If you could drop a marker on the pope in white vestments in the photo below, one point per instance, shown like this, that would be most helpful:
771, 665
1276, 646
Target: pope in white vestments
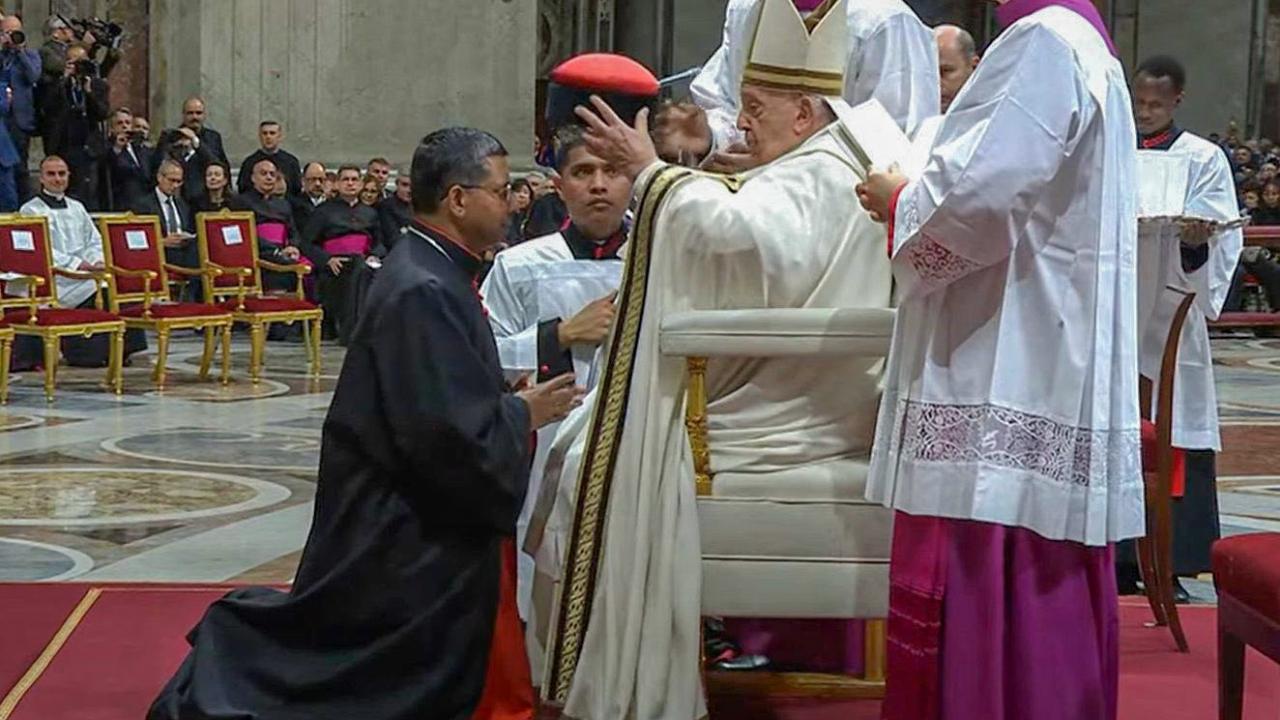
892, 57
623, 535
1205, 181
1008, 437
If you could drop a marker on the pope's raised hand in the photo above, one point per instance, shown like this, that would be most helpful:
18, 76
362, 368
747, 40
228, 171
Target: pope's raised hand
630, 149
876, 192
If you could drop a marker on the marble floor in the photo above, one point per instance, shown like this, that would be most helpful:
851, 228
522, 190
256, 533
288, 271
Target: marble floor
205, 483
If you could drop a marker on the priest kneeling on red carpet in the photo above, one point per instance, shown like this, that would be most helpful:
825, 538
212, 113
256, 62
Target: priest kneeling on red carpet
424, 463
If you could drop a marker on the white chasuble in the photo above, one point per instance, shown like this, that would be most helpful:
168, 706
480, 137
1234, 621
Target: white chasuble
893, 58
1211, 195
530, 284
622, 532
1011, 395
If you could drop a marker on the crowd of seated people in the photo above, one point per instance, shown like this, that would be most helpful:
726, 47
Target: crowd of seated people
1256, 164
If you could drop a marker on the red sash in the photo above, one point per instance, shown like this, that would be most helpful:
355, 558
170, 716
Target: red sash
349, 244
273, 232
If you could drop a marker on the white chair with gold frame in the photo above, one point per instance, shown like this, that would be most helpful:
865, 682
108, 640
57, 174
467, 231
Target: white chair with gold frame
793, 544
139, 291
228, 243
26, 265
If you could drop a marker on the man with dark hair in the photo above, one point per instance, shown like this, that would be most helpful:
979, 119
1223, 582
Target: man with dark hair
424, 459
380, 169
312, 195
193, 117
551, 299
74, 109
128, 163
340, 231
1207, 269
19, 72
270, 135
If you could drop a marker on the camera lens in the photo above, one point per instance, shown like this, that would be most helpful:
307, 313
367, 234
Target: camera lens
17, 37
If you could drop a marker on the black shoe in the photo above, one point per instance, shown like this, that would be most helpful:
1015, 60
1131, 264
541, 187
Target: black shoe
1180, 594
723, 653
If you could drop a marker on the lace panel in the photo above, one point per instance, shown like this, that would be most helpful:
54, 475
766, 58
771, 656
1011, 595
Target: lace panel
1017, 440
935, 263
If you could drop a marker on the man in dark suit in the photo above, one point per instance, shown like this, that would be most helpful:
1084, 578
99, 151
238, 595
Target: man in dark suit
128, 163
182, 145
396, 212
312, 196
193, 116
270, 135
73, 113
177, 224
19, 71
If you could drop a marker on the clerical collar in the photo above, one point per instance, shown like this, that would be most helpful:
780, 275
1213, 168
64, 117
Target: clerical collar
460, 254
1162, 140
53, 201
584, 248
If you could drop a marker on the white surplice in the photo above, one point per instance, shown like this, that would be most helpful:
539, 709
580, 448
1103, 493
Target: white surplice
892, 58
534, 282
1012, 390
793, 236
1210, 194
73, 240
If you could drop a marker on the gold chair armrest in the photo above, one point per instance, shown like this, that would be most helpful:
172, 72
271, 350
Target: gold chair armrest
298, 269
240, 274
100, 278
147, 276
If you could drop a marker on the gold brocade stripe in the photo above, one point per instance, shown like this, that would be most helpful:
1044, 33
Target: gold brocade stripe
603, 437
10, 702
803, 73
802, 82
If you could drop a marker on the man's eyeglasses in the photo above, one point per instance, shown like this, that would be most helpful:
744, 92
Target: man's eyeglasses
502, 193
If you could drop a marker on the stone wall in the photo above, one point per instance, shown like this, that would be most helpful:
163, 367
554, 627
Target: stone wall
349, 79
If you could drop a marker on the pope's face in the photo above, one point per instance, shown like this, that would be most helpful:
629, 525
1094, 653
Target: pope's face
770, 120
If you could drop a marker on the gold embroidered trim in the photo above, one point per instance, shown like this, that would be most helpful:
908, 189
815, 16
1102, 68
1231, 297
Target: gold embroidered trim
28, 680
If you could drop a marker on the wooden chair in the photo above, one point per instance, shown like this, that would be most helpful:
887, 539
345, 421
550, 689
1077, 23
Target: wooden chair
6, 348
26, 264
1246, 573
1155, 551
823, 535
139, 291
228, 243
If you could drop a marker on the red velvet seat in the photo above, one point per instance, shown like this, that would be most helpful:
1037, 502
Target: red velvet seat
56, 317
268, 304
174, 310
1246, 572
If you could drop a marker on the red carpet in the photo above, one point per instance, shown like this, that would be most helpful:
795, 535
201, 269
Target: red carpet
114, 658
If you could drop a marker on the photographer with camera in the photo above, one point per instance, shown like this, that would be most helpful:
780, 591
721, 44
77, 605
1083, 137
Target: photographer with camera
19, 73
99, 39
74, 109
128, 163
182, 146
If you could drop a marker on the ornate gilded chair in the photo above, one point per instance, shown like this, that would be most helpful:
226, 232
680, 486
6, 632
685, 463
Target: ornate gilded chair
6, 347
802, 543
228, 243
139, 291
26, 266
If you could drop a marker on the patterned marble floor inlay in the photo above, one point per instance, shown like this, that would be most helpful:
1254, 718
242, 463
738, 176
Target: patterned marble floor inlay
240, 450
67, 496
28, 561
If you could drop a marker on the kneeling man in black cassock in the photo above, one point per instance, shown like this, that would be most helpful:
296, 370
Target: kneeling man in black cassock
423, 467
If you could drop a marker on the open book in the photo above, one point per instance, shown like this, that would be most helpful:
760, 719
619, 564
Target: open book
875, 139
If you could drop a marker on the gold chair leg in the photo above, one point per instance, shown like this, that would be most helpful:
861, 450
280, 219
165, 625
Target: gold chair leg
162, 356
875, 639
50, 365
226, 353
6, 353
315, 347
206, 358
256, 338
115, 364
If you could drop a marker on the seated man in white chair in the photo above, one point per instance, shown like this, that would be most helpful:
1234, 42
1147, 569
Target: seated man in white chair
785, 235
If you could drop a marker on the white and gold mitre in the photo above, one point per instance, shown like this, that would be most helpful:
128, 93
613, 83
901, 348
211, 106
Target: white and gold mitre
792, 52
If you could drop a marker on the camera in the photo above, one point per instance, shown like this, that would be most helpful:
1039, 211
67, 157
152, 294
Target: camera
17, 38
86, 68
105, 33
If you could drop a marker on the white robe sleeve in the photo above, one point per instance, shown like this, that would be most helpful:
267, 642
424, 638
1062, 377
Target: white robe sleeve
715, 89
998, 149
898, 66
1213, 196
515, 335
